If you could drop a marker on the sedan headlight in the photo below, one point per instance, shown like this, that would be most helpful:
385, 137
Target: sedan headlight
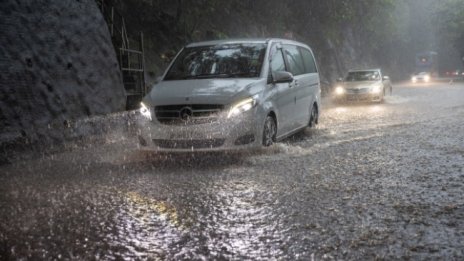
377, 89
427, 78
145, 111
339, 90
241, 107
414, 79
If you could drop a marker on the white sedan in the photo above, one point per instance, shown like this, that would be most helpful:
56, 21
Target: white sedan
421, 77
363, 85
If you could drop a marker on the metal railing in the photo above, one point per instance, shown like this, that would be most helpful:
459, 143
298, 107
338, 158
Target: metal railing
131, 61
116, 23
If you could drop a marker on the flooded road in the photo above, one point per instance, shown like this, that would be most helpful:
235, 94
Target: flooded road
372, 181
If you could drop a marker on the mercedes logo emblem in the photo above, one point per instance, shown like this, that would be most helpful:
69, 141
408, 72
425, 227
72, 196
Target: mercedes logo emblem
185, 113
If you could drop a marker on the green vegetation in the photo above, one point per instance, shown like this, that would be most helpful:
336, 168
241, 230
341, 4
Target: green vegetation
450, 20
343, 33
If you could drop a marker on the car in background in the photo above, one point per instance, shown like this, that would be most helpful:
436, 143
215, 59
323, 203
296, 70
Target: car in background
363, 85
421, 77
232, 95
454, 73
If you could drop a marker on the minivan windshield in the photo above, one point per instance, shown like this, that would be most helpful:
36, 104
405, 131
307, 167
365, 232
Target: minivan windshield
363, 76
242, 60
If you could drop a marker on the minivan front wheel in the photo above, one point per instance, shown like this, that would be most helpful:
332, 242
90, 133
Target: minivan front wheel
269, 131
314, 116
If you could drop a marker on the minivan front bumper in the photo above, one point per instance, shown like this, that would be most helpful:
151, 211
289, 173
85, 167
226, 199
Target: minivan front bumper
237, 133
359, 96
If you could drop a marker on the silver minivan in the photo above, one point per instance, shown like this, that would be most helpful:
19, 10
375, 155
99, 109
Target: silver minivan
232, 94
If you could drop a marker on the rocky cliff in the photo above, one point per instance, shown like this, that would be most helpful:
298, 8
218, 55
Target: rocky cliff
57, 64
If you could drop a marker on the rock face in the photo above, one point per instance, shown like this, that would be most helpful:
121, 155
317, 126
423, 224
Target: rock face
57, 63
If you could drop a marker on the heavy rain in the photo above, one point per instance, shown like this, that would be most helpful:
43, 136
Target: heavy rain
232, 130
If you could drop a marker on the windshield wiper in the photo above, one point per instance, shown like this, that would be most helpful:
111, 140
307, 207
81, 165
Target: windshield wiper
206, 76
218, 75
241, 74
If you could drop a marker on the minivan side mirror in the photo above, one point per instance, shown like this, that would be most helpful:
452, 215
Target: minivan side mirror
282, 77
158, 79
386, 78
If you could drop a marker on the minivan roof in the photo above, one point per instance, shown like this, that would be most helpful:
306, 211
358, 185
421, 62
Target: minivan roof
244, 40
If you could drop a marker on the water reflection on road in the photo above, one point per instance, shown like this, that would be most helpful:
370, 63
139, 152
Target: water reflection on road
371, 181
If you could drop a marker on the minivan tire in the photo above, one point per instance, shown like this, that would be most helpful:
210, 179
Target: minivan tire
313, 116
269, 131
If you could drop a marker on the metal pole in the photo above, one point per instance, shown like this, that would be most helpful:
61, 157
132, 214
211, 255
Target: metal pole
144, 86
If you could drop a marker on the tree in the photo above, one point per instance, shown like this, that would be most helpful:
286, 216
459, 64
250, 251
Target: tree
450, 20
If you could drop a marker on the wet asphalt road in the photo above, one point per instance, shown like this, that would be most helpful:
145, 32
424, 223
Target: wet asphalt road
372, 181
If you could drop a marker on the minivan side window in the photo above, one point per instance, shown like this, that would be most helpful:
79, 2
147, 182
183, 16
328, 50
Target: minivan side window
277, 61
294, 59
308, 60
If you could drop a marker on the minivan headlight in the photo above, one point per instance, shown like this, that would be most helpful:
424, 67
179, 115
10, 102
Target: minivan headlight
241, 107
145, 111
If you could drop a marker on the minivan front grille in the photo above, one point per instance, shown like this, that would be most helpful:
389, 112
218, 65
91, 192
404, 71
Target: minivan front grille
188, 144
187, 114
356, 91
